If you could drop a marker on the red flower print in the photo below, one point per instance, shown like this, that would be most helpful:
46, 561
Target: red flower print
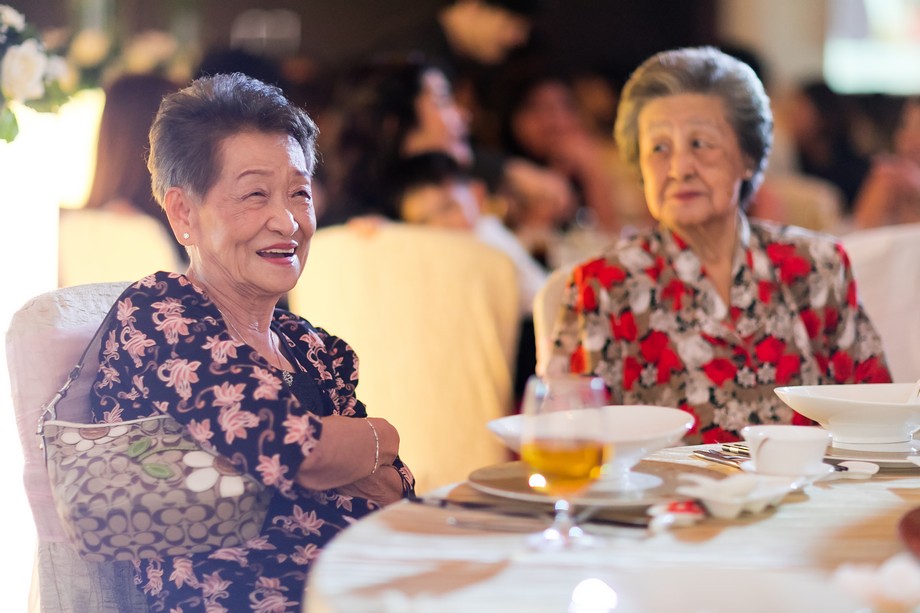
872, 371
800, 420
654, 271
587, 298
652, 345
675, 291
631, 371
718, 435
605, 273
812, 322
842, 366
765, 290
668, 363
624, 328
719, 370
851, 293
656, 349
577, 361
787, 367
831, 318
770, 349
790, 265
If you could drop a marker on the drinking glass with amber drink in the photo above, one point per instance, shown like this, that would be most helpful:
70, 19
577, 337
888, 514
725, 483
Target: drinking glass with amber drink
562, 443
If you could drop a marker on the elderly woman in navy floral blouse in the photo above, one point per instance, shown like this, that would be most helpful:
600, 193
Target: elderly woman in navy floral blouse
231, 162
711, 310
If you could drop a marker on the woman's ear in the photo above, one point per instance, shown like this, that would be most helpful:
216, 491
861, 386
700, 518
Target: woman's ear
179, 212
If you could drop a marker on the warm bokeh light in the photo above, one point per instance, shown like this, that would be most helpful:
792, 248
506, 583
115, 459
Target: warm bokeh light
48, 165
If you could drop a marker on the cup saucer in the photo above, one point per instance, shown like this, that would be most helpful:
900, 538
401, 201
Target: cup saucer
821, 470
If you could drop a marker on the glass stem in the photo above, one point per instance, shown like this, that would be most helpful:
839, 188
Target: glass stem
562, 522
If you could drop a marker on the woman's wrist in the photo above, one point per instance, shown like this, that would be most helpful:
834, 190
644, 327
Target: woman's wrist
376, 446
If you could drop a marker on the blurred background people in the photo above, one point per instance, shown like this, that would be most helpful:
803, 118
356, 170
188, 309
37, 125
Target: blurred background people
396, 106
120, 212
543, 123
891, 192
820, 122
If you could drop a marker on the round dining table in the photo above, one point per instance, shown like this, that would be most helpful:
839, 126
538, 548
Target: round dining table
444, 557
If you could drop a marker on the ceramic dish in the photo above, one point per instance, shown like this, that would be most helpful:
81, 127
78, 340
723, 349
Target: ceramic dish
740, 493
509, 480
797, 481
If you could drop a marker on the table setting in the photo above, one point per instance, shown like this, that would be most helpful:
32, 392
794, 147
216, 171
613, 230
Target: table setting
792, 518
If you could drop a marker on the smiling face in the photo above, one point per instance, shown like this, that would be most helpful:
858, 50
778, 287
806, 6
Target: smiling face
250, 233
691, 163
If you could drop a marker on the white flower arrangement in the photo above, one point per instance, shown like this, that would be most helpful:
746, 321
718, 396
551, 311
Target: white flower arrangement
28, 73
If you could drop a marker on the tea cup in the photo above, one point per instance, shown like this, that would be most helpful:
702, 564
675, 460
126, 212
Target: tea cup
785, 449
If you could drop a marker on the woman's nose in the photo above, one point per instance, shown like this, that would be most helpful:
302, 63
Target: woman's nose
282, 220
683, 163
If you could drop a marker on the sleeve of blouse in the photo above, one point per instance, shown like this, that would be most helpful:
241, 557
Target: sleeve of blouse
166, 353
855, 352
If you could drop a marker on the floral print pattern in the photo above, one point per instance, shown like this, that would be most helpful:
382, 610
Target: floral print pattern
647, 319
169, 351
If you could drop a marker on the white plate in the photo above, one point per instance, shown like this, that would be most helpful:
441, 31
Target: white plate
885, 459
797, 480
509, 480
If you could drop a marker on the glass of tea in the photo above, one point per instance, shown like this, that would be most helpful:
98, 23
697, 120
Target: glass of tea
562, 443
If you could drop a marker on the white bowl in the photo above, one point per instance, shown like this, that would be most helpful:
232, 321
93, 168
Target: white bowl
634, 430
870, 416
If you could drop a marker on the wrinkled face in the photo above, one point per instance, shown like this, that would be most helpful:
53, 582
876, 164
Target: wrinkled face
691, 163
450, 205
442, 124
907, 136
547, 114
251, 232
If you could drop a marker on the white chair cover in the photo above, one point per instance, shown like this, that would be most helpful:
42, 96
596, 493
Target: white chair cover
433, 317
97, 245
43, 344
546, 311
886, 264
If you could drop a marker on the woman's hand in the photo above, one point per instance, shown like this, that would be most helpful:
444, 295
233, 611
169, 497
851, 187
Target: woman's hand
349, 450
384, 486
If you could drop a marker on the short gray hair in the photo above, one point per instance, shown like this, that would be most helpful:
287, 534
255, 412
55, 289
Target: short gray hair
701, 70
192, 123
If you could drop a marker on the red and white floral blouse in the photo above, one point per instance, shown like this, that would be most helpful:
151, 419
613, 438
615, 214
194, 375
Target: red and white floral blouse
647, 319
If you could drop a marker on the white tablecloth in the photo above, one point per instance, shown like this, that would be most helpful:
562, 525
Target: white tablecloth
407, 558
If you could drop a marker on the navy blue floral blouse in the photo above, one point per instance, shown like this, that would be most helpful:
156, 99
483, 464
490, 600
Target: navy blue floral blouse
168, 350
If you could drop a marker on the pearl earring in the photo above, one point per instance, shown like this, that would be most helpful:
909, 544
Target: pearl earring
186, 235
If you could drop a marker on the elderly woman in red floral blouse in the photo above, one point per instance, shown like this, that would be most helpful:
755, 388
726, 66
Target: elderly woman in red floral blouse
710, 310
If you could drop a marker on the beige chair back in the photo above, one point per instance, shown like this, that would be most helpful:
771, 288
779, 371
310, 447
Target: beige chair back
43, 343
886, 265
433, 317
545, 311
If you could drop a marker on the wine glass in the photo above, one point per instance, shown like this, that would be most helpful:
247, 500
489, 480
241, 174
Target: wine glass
563, 445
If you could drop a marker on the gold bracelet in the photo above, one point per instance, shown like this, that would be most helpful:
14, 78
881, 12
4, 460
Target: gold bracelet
376, 446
